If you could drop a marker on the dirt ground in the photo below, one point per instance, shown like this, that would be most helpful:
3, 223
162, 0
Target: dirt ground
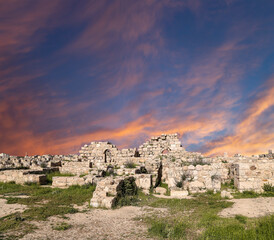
250, 207
122, 223
6, 209
97, 224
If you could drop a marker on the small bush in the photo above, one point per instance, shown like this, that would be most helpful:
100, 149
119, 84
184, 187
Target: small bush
268, 188
130, 165
43, 165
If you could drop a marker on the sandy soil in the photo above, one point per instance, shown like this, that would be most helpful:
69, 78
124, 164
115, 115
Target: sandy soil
6, 209
97, 224
250, 207
122, 223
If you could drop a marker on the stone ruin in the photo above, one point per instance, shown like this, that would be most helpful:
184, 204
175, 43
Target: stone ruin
159, 160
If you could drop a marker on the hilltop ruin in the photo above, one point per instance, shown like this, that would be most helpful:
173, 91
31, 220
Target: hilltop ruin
160, 160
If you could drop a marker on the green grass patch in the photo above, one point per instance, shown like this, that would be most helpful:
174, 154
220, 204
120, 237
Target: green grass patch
162, 229
82, 175
268, 188
254, 229
43, 202
165, 185
241, 218
61, 226
228, 185
252, 194
198, 218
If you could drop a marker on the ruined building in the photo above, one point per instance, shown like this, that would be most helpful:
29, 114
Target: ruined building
161, 159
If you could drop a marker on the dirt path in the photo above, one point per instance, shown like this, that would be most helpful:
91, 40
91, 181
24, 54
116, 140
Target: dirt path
6, 209
250, 207
97, 224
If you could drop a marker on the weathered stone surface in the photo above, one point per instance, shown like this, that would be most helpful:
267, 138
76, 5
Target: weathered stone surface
226, 194
143, 181
160, 190
178, 193
23, 176
67, 181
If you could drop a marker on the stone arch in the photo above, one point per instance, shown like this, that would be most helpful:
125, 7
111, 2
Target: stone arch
107, 156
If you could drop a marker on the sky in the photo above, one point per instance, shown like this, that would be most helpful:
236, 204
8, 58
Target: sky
72, 72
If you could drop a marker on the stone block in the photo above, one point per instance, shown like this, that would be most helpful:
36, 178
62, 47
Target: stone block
226, 194
160, 190
177, 193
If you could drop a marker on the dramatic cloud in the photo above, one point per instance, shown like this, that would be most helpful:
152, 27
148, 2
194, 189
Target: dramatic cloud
72, 72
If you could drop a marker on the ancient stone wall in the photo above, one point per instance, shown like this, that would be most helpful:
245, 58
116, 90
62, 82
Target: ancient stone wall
193, 178
22, 176
99, 153
64, 182
252, 175
76, 167
164, 144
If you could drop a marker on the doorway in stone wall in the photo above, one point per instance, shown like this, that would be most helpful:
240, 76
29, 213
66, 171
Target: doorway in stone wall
107, 156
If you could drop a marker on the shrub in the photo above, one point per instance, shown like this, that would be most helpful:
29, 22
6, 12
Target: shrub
126, 192
268, 187
43, 165
130, 165
179, 184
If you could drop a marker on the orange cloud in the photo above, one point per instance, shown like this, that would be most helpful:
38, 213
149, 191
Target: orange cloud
248, 138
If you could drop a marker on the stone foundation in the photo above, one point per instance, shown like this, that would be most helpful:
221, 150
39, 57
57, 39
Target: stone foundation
23, 176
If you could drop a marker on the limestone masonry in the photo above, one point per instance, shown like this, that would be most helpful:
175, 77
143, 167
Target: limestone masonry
159, 160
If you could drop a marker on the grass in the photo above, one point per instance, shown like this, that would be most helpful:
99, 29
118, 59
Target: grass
198, 218
241, 218
256, 229
252, 194
268, 188
228, 185
42, 203
195, 219
165, 185
62, 226
83, 175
